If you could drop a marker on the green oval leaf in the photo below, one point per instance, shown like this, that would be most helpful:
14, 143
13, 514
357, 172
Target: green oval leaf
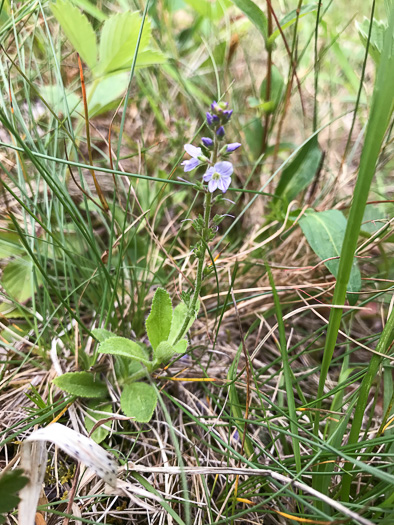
158, 324
81, 384
10, 484
300, 172
325, 232
255, 15
139, 400
164, 352
178, 318
124, 347
101, 334
181, 346
290, 19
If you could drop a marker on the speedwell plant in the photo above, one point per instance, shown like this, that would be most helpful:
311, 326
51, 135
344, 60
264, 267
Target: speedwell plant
166, 327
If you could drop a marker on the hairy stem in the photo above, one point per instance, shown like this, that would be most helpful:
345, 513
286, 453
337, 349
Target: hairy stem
201, 257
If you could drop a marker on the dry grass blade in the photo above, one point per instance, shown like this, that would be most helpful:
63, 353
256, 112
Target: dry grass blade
237, 471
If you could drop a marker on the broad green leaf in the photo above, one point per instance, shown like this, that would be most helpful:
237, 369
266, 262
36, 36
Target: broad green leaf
181, 346
101, 334
54, 97
9, 311
255, 15
254, 132
290, 19
11, 483
82, 384
325, 232
77, 29
94, 415
91, 9
118, 41
18, 281
211, 10
377, 36
179, 315
376, 215
158, 324
5, 12
277, 87
150, 57
124, 347
9, 245
126, 369
139, 400
103, 94
164, 352
178, 318
301, 171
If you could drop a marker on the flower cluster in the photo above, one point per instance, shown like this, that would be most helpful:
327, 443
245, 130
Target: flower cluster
218, 174
218, 117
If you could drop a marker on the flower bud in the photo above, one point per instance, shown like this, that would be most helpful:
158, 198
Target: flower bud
227, 114
215, 107
220, 132
208, 143
232, 147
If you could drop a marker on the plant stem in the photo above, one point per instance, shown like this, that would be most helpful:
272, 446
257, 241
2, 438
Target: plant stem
201, 257
200, 267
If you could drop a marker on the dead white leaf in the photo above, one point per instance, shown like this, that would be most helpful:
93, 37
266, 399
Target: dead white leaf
34, 457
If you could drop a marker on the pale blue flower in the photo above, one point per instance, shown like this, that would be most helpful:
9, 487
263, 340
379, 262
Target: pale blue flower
195, 153
219, 176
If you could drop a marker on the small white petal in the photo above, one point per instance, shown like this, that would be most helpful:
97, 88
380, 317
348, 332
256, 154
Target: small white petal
224, 184
212, 185
192, 150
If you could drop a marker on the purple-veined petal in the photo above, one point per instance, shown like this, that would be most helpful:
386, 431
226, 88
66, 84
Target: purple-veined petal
224, 168
192, 150
189, 165
224, 183
212, 185
208, 175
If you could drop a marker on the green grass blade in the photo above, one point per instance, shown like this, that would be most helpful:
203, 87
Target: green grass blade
287, 372
380, 114
382, 347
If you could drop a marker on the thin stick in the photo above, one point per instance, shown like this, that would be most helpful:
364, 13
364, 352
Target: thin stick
85, 104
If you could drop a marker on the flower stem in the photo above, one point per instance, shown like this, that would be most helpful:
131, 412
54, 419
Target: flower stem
201, 258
